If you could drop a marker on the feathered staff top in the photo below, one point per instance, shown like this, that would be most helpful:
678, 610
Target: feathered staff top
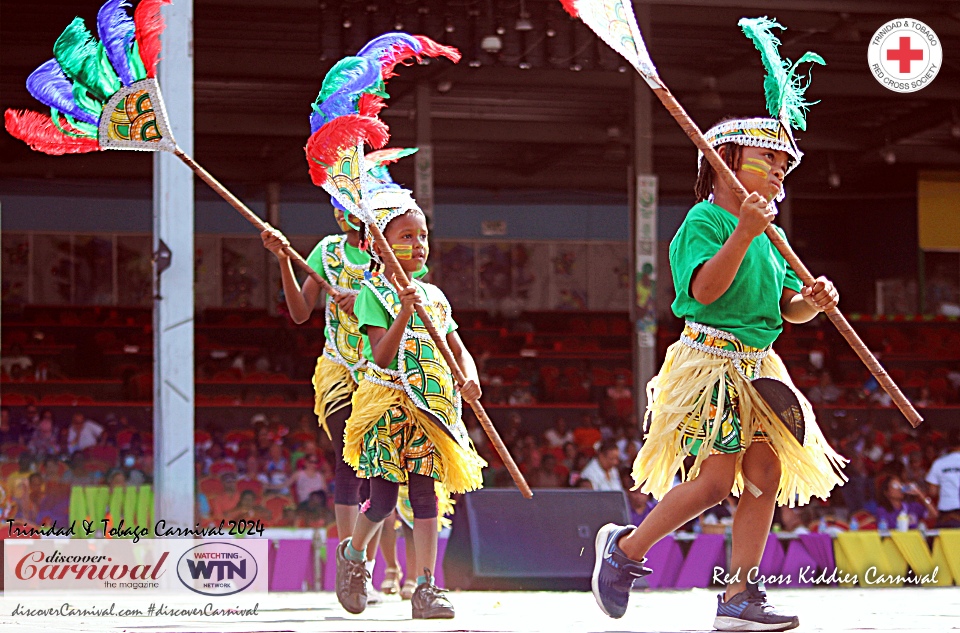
345, 116
784, 88
86, 76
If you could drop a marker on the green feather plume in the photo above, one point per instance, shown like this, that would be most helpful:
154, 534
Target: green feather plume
84, 60
349, 70
137, 68
783, 86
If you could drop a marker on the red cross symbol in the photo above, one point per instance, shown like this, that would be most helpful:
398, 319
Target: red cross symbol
905, 54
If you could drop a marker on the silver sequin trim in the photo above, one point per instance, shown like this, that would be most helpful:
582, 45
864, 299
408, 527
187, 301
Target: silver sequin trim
723, 353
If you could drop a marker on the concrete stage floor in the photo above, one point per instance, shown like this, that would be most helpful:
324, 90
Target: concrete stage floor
933, 609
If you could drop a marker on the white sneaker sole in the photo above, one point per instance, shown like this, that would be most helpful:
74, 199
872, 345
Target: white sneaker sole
727, 623
599, 545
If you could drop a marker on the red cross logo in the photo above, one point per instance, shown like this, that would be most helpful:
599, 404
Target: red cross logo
905, 54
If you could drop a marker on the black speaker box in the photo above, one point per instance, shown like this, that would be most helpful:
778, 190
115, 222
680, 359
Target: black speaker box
499, 540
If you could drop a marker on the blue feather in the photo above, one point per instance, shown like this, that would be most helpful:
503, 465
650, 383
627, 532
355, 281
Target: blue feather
376, 47
50, 86
116, 29
342, 87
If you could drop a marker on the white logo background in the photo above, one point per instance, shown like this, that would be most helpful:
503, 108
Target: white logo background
905, 55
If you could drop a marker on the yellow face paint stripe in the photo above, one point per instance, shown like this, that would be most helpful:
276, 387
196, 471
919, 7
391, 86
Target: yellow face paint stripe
757, 166
403, 251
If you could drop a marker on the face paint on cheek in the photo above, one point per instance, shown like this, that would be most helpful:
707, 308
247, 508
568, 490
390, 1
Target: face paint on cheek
403, 251
757, 166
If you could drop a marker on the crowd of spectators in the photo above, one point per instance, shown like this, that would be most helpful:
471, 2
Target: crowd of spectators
281, 473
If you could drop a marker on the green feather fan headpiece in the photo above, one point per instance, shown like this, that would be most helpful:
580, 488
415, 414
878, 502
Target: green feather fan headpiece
783, 86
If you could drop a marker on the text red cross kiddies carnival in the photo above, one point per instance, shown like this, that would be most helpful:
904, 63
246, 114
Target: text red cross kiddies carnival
905, 54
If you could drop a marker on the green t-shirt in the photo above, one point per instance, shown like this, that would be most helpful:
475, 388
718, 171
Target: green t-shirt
370, 311
750, 308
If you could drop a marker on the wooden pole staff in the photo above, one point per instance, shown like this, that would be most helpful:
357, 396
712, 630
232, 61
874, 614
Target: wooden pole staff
390, 259
252, 217
400, 276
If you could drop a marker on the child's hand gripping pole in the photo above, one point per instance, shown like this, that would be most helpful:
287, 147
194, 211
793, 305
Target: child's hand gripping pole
234, 202
390, 259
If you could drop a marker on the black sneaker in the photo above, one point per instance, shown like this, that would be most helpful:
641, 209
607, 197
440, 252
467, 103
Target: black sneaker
613, 571
352, 578
750, 611
430, 601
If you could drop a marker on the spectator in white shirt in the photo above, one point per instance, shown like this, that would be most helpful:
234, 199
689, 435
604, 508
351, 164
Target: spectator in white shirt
944, 482
560, 435
601, 472
82, 434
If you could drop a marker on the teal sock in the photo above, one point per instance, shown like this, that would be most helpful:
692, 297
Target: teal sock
421, 580
353, 554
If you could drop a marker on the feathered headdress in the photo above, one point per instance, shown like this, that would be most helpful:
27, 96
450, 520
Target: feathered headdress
101, 95
345, 117
784, 87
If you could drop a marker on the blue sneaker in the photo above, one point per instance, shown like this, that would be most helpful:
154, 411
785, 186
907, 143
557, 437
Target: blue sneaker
750, 611
613, 571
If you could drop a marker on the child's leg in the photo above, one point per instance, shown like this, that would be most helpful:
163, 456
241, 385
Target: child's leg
683, 503
423, 500
428, 601
374, 542
346, 497
754, 515
383, 500
410, 547
353, 576
388, 543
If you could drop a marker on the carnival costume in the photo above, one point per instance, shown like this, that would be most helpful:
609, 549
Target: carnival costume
406, 418
334, 379
703, 395
345, 111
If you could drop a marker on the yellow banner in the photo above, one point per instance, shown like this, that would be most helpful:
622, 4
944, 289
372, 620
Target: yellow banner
938, 210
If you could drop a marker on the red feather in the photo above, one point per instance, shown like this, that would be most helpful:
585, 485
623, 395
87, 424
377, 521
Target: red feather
149, 25
371, 104
396, 55
402, 54
433, 49
324, 146
570, 7
38, 131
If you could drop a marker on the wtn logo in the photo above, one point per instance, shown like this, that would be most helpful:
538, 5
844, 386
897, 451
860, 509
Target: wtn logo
224, 569
217, 569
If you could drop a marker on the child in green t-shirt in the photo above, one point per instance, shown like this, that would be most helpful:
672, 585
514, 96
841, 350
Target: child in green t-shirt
734, 290
342, 263
406, 425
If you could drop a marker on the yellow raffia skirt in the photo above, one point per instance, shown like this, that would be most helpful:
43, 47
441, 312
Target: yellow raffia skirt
376, 409
680, 408
333, 385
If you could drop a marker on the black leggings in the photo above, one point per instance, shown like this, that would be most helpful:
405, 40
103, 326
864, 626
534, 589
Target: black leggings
383, 498
346, 485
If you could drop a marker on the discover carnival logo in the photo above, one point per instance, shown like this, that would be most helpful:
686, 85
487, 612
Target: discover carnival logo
122, 566
217, 569
905, 55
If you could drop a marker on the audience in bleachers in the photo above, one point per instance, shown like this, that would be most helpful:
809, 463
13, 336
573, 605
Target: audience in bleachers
283, 471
